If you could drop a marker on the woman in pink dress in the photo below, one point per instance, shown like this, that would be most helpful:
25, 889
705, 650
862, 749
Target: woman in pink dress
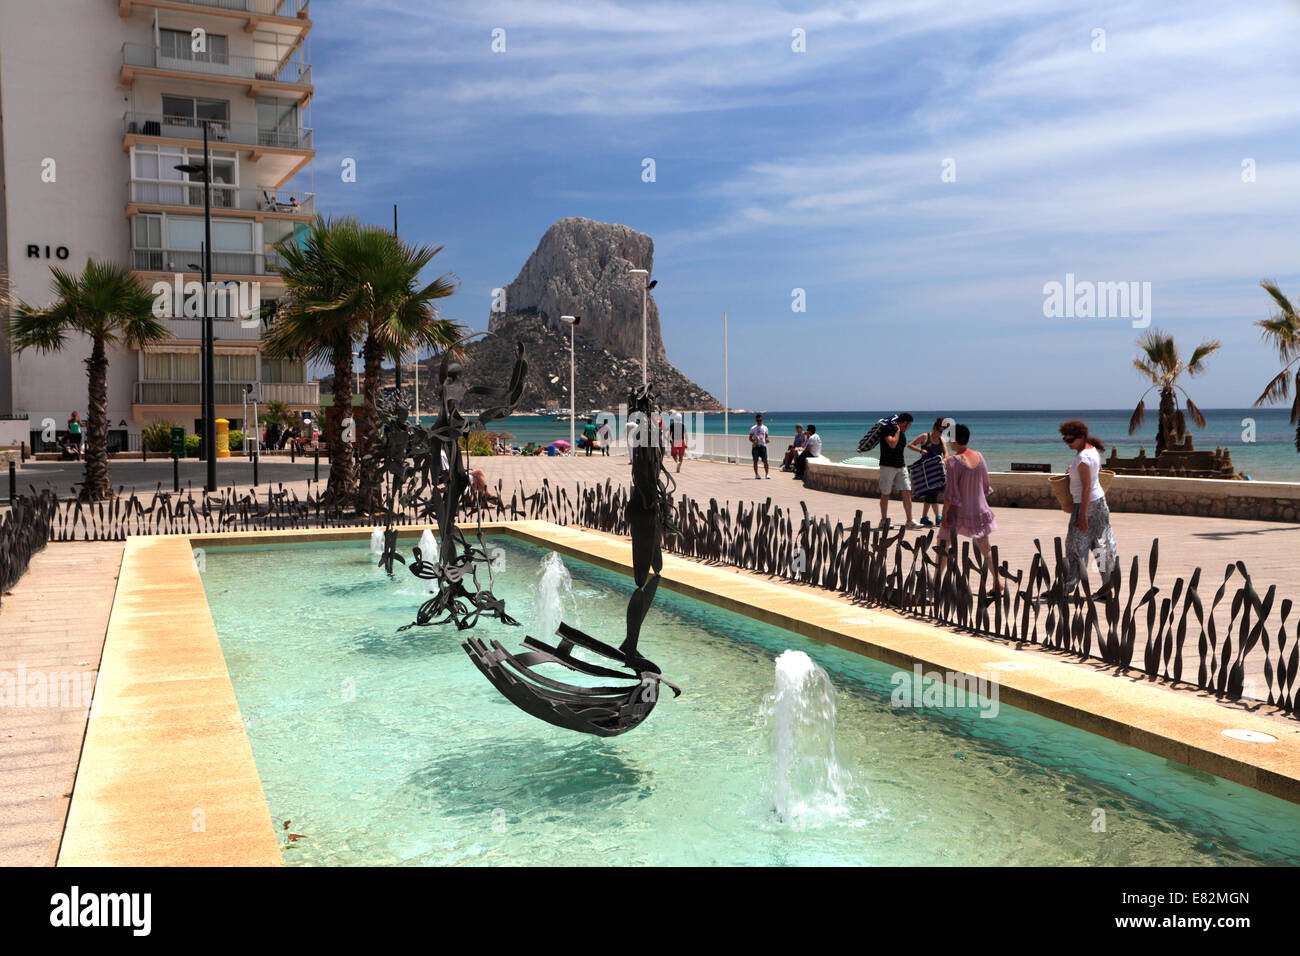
966, 509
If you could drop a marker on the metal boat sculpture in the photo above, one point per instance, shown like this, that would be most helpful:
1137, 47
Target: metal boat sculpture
605, 710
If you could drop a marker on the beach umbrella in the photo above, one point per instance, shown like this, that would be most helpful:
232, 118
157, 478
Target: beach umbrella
560, 443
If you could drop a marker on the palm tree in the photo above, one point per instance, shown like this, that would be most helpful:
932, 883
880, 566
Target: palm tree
1282, 331
312, 323
397, 314
108, 304
1162, 363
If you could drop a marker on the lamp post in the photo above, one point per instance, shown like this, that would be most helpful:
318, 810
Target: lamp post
209, 438
572, 322
645, 294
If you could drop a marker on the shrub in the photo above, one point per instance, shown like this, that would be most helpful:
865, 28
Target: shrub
235, 440
157, 436
478, 443
191, 446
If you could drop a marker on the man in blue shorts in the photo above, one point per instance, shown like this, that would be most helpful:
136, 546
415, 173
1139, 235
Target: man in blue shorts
758, 443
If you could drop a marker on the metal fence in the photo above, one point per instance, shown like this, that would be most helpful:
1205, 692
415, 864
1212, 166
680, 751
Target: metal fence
1177, 635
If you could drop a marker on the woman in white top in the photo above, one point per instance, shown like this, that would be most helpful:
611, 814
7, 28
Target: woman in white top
1090, 518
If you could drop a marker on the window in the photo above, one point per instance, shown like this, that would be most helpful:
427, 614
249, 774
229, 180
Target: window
276, 371
277, 121
241, 367
177, 44
186, 111
171, 366
157, 180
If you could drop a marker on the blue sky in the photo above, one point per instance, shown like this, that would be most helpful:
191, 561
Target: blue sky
821, 170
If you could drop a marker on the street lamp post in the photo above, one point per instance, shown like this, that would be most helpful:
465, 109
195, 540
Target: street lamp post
645, 294
572, 322
209, 439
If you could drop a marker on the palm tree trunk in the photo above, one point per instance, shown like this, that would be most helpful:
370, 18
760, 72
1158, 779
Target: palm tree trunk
1165, 434
368, 491
341, 487
97, 485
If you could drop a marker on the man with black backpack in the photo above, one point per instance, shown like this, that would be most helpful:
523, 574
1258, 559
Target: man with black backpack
893, 469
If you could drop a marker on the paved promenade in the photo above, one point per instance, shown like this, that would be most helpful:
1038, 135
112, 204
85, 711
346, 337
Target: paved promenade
52, 630
1269, 549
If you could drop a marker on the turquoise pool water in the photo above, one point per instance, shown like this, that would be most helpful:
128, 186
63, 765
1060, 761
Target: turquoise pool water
379, 747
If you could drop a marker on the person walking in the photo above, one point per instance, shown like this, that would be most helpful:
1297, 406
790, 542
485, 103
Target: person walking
75, 435
931, 443
1090, 528
604, 433
758, 442
677, 438
589, 435
966, 508
795, 447
893, 470
812, 449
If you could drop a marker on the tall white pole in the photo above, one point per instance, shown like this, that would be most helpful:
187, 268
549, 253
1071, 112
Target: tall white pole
417, 386
573, 449
645, 292
726, 400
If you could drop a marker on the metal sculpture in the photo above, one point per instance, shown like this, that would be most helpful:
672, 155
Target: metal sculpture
433, 486
605, 710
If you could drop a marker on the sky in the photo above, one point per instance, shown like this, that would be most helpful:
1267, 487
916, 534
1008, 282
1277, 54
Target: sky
919, 169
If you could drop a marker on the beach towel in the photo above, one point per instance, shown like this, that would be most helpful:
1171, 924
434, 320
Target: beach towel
872, 438
927, 475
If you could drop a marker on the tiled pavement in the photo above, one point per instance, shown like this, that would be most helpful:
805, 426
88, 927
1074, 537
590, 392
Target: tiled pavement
52, 627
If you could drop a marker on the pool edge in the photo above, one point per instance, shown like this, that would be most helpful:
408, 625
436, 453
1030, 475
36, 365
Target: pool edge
174, 704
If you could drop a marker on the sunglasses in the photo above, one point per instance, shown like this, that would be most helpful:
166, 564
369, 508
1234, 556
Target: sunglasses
1070, 438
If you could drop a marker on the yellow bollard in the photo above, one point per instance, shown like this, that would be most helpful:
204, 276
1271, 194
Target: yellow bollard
223, 438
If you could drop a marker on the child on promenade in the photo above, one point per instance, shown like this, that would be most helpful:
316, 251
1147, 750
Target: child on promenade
931, 443
966, 508
677, 438
792, 452
1090, 528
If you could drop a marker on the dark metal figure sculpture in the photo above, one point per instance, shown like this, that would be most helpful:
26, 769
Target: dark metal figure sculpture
433, 487
605, 710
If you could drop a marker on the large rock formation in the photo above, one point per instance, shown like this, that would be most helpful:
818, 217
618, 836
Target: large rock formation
583, 267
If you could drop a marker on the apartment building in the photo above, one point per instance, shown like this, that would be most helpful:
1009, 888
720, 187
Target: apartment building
100, 102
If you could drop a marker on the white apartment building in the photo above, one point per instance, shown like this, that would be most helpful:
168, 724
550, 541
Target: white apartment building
100, 100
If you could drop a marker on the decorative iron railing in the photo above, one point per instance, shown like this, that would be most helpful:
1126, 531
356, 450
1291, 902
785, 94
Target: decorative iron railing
1174, 636
24, 530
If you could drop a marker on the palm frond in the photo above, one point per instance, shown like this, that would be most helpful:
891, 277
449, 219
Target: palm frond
1276, 390
1271, 287
1196, 365
1195, 412
1138, 417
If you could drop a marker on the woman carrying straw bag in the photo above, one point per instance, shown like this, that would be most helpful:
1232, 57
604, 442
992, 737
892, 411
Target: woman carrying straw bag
1090, 516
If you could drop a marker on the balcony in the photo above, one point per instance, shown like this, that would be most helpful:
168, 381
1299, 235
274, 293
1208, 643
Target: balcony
280, 204
255, 74
225, 393
285, 9
186, 132
169, 261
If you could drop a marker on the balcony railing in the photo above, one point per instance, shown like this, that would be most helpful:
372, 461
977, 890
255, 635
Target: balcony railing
223, 263
266, 8
150, 192
217, 64
240, 134
226, 393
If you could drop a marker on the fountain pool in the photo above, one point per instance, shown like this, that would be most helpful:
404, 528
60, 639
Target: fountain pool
385, 747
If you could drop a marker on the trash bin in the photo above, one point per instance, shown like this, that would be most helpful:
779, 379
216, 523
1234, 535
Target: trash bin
223, 438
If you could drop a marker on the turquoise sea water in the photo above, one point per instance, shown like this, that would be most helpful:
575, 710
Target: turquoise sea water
1007, 436
380, 747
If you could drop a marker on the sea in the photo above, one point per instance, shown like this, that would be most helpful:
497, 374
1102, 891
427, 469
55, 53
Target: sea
1261, 440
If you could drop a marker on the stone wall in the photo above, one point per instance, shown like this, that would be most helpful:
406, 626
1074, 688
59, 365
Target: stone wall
1254, 500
